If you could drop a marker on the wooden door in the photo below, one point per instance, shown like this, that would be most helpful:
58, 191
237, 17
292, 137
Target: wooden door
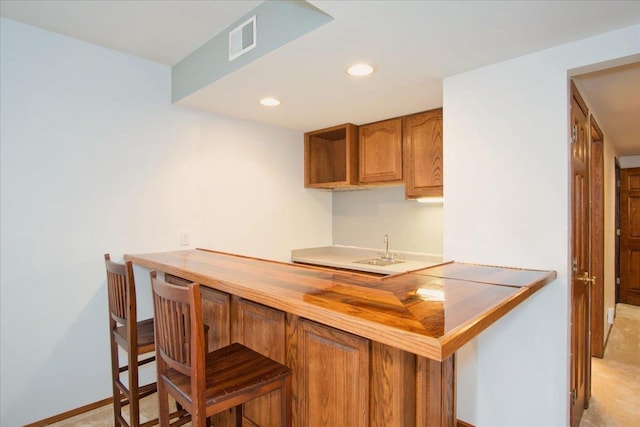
380, 147
580, 254
423, 163
630, 236
261, 329
331, 375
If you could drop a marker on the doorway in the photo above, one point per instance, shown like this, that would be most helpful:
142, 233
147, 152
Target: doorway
581, 278
604, 85
629, 252
597, 188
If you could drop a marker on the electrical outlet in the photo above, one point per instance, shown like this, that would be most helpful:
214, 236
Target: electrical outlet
610, 316
184, 238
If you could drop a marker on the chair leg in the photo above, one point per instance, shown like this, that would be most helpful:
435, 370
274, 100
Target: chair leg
163, 404
198, 414
134, 392
239, 416
115, 376
285, 401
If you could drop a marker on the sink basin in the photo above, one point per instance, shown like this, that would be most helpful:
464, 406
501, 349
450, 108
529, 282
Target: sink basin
378, 261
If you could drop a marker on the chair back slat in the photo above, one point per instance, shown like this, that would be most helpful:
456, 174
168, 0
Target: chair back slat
120, 290
176, 319
117, 296
175, 334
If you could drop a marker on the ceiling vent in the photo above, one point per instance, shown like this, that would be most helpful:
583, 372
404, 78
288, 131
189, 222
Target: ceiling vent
242, 38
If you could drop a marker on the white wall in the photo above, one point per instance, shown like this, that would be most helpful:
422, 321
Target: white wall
629, 161
362, 218
251, 191
507, 160
94, 159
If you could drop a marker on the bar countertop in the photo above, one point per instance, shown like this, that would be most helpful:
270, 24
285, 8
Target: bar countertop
429, 312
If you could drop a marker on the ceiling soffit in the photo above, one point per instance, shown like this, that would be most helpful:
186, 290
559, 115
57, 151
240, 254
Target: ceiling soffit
277, 23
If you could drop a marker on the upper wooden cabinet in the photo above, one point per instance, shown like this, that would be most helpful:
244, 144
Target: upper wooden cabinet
423, 154
331, 157
405, 149
380, 146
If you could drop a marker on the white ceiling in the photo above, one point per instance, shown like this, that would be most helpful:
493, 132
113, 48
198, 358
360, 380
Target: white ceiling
413, 45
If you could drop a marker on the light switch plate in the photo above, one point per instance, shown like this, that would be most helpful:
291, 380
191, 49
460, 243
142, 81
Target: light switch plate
184, 238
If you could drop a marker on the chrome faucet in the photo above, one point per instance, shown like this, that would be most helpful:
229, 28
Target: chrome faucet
386, 256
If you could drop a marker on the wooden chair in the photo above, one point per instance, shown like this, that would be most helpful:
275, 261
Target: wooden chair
135, 338
206, 383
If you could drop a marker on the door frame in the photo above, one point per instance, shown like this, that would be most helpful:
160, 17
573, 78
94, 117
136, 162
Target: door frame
617, 235
574, 417
597, 189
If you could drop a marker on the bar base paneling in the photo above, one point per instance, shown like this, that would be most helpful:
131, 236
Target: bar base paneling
436, 393
261, 329
393, 387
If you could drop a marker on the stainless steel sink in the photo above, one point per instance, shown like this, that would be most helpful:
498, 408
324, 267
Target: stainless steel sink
378, 261
384, 259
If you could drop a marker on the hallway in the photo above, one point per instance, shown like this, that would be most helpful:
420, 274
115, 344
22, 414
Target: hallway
615, 381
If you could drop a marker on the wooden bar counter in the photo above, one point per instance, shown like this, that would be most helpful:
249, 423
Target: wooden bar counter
366, 351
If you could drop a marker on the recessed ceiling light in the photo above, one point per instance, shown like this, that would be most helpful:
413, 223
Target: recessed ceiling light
360, 70
270, 102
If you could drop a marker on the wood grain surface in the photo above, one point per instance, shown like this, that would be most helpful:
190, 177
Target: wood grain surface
430, 312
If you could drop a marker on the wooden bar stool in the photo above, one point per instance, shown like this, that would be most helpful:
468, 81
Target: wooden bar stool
206, 383
135, 338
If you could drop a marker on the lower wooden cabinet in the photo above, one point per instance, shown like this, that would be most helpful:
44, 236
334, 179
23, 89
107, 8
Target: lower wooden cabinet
340, 379
331, 375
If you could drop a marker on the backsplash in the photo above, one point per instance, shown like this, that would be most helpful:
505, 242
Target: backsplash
362, 218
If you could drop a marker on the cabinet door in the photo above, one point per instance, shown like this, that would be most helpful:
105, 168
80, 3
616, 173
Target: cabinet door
261, 329
423, 154
331, 376
381, 152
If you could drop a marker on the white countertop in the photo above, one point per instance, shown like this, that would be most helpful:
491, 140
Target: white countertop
345, 256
